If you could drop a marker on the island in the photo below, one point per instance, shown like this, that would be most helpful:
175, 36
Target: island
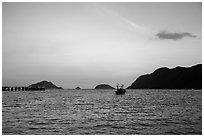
44, 84
77, 88
104, 86
176, 78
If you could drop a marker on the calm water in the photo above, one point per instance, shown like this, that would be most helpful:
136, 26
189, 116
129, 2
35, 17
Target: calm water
102, 112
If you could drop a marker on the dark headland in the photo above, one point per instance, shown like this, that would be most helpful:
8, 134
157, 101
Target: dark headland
44, 84
104, 86
176, 78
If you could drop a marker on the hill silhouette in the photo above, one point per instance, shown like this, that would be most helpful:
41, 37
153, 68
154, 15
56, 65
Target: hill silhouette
44, 84
176, 78
104, 86
77, 88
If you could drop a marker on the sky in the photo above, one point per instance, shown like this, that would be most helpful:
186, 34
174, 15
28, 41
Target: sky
85, 44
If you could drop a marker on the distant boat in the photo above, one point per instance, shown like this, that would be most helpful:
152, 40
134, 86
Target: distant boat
120, 90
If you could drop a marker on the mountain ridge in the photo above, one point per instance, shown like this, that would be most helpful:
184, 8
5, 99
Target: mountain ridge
175, 78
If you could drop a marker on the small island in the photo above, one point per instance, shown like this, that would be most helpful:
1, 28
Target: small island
44, 84
104, 86
77, 88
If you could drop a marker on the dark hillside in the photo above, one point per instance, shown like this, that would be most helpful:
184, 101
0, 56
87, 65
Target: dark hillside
176, 78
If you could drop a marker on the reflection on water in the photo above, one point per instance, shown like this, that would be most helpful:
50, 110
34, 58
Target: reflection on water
102, 112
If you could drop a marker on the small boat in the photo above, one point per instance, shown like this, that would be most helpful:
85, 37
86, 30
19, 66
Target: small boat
120, 90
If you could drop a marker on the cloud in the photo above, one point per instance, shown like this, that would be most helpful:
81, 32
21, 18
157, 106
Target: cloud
116, 16
174, 36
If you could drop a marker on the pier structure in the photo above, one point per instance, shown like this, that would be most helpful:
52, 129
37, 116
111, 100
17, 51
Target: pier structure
21, 88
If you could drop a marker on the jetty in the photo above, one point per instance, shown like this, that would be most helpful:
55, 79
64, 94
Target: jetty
4, 88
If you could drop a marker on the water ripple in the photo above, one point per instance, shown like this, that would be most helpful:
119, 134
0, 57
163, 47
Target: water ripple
101, 112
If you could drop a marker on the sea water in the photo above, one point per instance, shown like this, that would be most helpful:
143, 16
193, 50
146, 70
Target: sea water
102, 112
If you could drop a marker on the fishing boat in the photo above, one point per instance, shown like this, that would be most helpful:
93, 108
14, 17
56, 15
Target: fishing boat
120, 90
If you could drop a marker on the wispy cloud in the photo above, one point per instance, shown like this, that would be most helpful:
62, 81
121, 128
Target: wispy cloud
174, 36
132, 24
120, 18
